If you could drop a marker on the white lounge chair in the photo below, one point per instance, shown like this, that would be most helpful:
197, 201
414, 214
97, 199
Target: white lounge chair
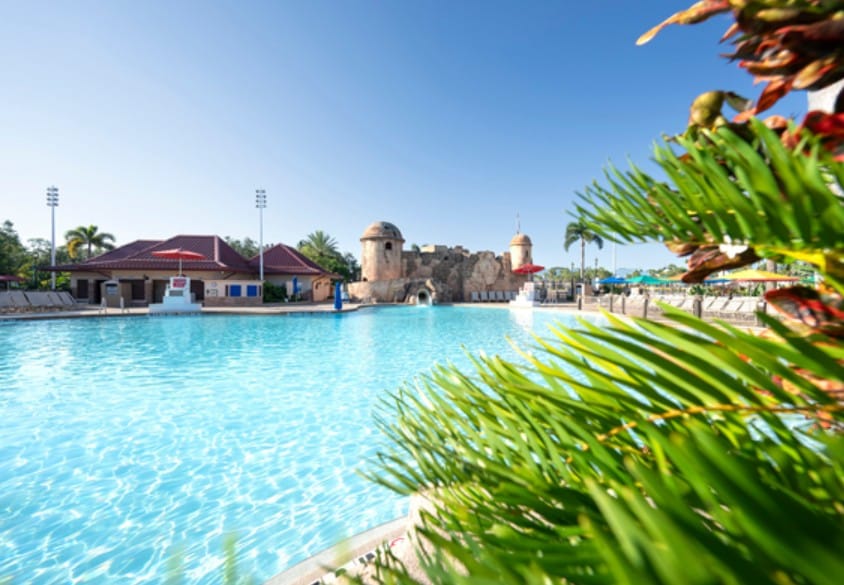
686, 304
731, 309
19, 300
713, 303
40, 299
6, 302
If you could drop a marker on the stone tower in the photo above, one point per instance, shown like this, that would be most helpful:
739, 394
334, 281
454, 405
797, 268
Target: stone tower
381, 245
520, 251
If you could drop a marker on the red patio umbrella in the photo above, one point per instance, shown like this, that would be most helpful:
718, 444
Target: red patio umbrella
178, 254
528, 269
9, 278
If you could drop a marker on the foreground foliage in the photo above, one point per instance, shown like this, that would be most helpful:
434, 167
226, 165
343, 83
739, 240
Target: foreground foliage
629, 453
678, 452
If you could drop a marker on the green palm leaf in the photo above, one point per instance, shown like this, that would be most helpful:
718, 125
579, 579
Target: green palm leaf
624, 474
776, 199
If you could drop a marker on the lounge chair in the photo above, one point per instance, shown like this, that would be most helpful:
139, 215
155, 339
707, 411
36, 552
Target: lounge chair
634, 305
731, 309
713, 303
19, 300
475, 296
40, 300
750, 307
686, 304
6, 302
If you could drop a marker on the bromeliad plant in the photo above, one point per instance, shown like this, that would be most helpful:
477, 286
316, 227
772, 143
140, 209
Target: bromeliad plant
729, 201
748, 189
639, 452
786, 44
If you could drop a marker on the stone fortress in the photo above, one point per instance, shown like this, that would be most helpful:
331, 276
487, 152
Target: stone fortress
434, 274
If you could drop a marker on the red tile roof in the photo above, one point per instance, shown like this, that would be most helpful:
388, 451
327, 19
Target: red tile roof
137, 255
281, 259
125, 251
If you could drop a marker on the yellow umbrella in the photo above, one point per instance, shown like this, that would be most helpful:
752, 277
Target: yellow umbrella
753, 275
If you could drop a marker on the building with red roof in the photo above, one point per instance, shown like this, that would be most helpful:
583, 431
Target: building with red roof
222, 276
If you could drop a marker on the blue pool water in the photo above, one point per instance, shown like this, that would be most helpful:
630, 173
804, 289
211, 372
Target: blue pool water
127, 442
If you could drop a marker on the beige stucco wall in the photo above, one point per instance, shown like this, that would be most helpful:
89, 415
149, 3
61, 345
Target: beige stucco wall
154, 280
216, 296
312, 288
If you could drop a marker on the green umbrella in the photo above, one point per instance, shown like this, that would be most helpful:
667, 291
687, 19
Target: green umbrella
647, 279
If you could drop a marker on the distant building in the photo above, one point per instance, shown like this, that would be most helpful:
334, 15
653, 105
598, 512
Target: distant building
223, 278
434, 273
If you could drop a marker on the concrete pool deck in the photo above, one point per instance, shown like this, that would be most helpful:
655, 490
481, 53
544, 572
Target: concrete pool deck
270, 309
351, 556
95, 311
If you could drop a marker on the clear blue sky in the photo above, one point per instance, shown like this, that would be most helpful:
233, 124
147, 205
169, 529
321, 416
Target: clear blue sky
446, 118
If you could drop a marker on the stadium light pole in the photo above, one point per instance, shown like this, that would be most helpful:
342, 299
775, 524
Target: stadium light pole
261, 203
52, 203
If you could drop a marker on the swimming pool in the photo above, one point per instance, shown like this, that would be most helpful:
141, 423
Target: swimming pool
129, 441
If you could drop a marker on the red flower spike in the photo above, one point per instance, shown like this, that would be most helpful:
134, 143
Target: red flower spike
824, 124
821, 314
697, 12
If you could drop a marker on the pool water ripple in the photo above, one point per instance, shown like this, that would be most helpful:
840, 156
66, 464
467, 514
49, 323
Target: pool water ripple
127, 441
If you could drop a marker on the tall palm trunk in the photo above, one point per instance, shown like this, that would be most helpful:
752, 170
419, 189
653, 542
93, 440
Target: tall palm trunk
582, 259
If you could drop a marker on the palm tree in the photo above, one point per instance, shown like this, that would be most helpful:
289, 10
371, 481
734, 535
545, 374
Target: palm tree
320, 244
90, 237
322, 249
579, 231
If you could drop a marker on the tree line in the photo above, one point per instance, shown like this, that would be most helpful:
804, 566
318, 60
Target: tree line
27, 261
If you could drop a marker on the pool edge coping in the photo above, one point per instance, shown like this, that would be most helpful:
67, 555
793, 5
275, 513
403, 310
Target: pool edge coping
312, 569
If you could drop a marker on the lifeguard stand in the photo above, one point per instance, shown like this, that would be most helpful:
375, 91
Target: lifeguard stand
526, 296
177, 298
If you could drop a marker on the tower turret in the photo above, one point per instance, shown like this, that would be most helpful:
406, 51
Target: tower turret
381, 245
521, 249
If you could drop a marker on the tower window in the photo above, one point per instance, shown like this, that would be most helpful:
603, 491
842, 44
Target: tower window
388, 246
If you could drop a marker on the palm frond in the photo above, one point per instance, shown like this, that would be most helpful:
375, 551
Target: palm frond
623, 453
776, 199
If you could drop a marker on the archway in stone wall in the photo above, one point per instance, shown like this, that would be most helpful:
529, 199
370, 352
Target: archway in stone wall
423, 297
